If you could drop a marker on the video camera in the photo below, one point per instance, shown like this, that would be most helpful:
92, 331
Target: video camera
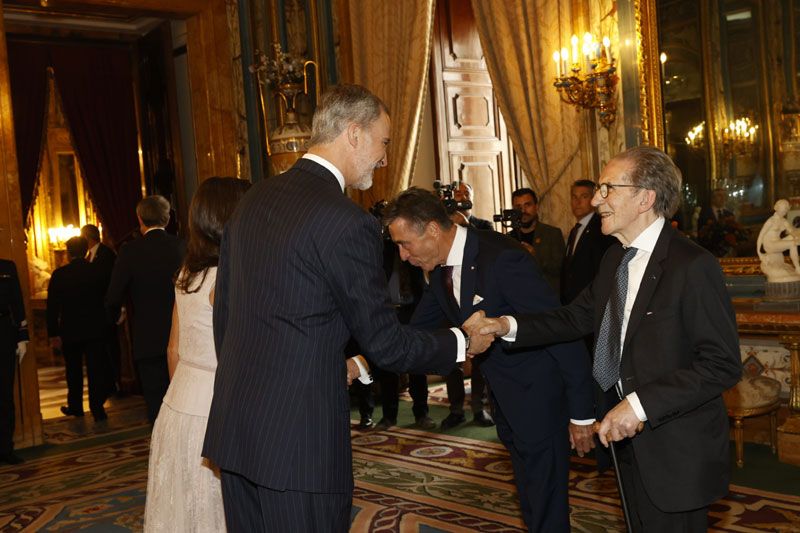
509, 218
445, 193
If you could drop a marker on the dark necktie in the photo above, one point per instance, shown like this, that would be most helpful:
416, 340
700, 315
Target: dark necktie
573, 234
608, 348
447, 280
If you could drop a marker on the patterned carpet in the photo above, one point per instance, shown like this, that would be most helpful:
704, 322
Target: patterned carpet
406, 481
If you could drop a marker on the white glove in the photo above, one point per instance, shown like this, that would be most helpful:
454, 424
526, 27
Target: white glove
22, 348
123, 314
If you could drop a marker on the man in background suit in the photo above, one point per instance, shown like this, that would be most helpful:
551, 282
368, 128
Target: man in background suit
586, 243
103, 258
299, 274
716, 213
535, 392
13, 346
76, 325
666, 340
544, 242
98, 254
144, 271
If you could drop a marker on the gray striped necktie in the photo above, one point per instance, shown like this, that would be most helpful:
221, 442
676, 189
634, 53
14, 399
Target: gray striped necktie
608, 348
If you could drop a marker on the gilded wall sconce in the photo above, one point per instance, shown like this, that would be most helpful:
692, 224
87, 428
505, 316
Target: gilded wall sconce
588, 80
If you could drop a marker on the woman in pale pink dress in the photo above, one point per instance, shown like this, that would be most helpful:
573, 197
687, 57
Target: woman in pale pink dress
183, 488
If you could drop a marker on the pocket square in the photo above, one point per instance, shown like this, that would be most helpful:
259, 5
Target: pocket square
476, 299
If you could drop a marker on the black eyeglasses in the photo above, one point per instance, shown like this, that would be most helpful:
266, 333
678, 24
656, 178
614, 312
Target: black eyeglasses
604, 188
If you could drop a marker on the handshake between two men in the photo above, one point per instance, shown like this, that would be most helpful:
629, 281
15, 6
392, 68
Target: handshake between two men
620, 423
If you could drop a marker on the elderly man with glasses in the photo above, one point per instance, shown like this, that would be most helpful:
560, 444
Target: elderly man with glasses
665, 341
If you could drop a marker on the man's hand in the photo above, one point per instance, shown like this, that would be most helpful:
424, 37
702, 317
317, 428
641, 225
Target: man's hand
55, 343
352, 371
22, 349
479, 344
581, 438
620, 423
478, 325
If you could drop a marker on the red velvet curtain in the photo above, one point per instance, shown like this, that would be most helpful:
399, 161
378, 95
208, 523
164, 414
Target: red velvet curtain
96, 89
27, 64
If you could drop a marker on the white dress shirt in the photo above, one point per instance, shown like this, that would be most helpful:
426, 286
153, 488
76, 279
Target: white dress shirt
583, 223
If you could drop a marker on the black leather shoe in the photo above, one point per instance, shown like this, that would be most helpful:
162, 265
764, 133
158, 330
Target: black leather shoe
452, 421
100, 416
385, 423
69, 412
425, 422
366, 423
11, 458
482, 418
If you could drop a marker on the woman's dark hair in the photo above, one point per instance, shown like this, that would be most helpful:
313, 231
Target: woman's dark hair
213, 204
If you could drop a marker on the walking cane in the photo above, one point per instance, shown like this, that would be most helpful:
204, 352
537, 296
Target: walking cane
619, 487
614, 460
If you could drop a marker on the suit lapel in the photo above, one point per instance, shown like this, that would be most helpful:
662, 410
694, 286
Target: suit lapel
469, 273
652, 275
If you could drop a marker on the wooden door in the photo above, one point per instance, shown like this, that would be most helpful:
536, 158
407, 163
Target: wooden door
472, 144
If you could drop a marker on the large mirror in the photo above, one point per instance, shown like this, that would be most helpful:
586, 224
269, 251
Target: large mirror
731, 117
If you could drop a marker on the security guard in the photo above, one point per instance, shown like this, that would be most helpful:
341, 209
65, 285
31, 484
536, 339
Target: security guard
13, 344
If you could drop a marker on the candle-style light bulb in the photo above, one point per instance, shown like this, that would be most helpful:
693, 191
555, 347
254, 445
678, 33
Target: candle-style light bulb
574, 41
565, 60
607, 48
662, 58
557, 59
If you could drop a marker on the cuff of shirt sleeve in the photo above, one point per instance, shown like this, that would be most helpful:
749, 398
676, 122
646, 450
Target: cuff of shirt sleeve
511, 336
461, 353
364, 375
582, 422
633, 399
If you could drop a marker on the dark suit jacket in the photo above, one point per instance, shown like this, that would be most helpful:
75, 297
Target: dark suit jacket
681, 350
300, 272
13, 325
75, 310
580, 268
548, 245
537, 389
104, 260
144, 270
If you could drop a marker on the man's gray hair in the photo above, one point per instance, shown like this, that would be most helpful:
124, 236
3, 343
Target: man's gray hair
153, 210
341, 105
652, 169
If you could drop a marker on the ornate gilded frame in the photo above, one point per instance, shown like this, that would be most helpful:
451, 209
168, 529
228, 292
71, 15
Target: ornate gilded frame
649, 70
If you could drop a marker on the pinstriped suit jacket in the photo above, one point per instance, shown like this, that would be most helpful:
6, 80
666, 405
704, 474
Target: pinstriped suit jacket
300, 271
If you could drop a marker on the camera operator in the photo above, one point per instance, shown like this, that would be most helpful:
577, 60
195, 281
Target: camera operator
464, 217
544, 242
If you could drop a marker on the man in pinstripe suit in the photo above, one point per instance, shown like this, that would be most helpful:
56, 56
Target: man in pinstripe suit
299, 273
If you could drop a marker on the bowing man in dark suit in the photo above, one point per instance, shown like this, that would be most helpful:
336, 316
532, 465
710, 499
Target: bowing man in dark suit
534, 392
659, 304
299, 274
76, 320
144, 271
586, 244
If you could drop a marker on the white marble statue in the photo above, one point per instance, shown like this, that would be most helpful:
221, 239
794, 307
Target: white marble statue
772, 263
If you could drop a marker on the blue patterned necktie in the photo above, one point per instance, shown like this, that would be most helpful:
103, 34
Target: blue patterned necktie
607, 350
